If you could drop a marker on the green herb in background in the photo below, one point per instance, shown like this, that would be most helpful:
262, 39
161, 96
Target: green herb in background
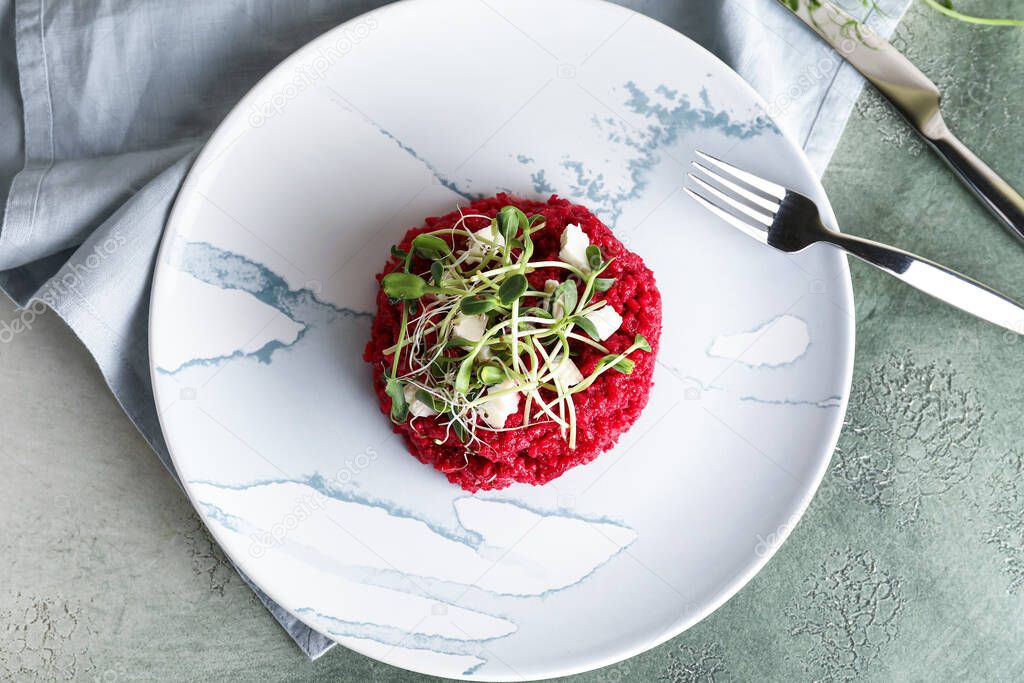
946, 7
943, 6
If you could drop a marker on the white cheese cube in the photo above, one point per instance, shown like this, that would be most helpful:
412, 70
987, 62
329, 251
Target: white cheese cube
417, 407
481, 243
574, 247
494, 411
565, 371
470, 327
606, 321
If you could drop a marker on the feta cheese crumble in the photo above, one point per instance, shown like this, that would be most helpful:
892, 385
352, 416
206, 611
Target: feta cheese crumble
417, 408
482, 242
470, 327
574, 247
565, 371
494, 411
606, 321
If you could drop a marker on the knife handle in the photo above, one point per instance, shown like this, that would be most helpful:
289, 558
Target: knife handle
994, 192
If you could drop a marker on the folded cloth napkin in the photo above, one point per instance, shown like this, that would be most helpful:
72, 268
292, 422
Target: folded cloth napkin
105, 104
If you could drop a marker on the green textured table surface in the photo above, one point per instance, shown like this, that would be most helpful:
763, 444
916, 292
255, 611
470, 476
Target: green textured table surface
909, 564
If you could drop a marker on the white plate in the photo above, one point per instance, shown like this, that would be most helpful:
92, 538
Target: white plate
261, 311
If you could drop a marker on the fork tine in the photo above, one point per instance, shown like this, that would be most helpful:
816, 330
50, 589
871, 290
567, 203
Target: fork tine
769, 205
766, 186
762, 218
737, 222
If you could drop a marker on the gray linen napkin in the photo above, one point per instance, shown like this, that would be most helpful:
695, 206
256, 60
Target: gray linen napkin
104, 105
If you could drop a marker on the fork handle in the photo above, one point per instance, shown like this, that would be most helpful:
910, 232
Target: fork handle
940, 282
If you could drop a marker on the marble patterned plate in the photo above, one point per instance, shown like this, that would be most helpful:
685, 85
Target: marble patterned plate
261, 308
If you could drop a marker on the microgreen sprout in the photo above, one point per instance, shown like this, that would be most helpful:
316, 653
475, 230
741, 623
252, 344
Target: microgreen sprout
514, 337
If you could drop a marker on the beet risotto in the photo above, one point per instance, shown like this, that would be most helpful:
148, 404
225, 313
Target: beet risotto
513, 339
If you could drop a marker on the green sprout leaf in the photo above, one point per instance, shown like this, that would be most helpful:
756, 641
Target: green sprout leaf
640, 342
513, 288
437, 404
535, 312
508, 222
603, 284
394, 388
586, 326
524, 221
460, 430
430, 247
477, 304
398, 253
565, 298
624, 365
594, 256
404, 286
490, 374
436, 272
464, 376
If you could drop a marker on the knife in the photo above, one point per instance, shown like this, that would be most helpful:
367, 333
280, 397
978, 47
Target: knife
915, 97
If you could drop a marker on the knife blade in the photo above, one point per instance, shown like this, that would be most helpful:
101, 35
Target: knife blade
916, 97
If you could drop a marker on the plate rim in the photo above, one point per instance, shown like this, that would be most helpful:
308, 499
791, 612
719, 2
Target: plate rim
728, 589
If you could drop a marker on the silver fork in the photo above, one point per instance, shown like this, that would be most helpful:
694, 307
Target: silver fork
790, 222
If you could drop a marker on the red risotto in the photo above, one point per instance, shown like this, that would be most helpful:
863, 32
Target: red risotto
513, 340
